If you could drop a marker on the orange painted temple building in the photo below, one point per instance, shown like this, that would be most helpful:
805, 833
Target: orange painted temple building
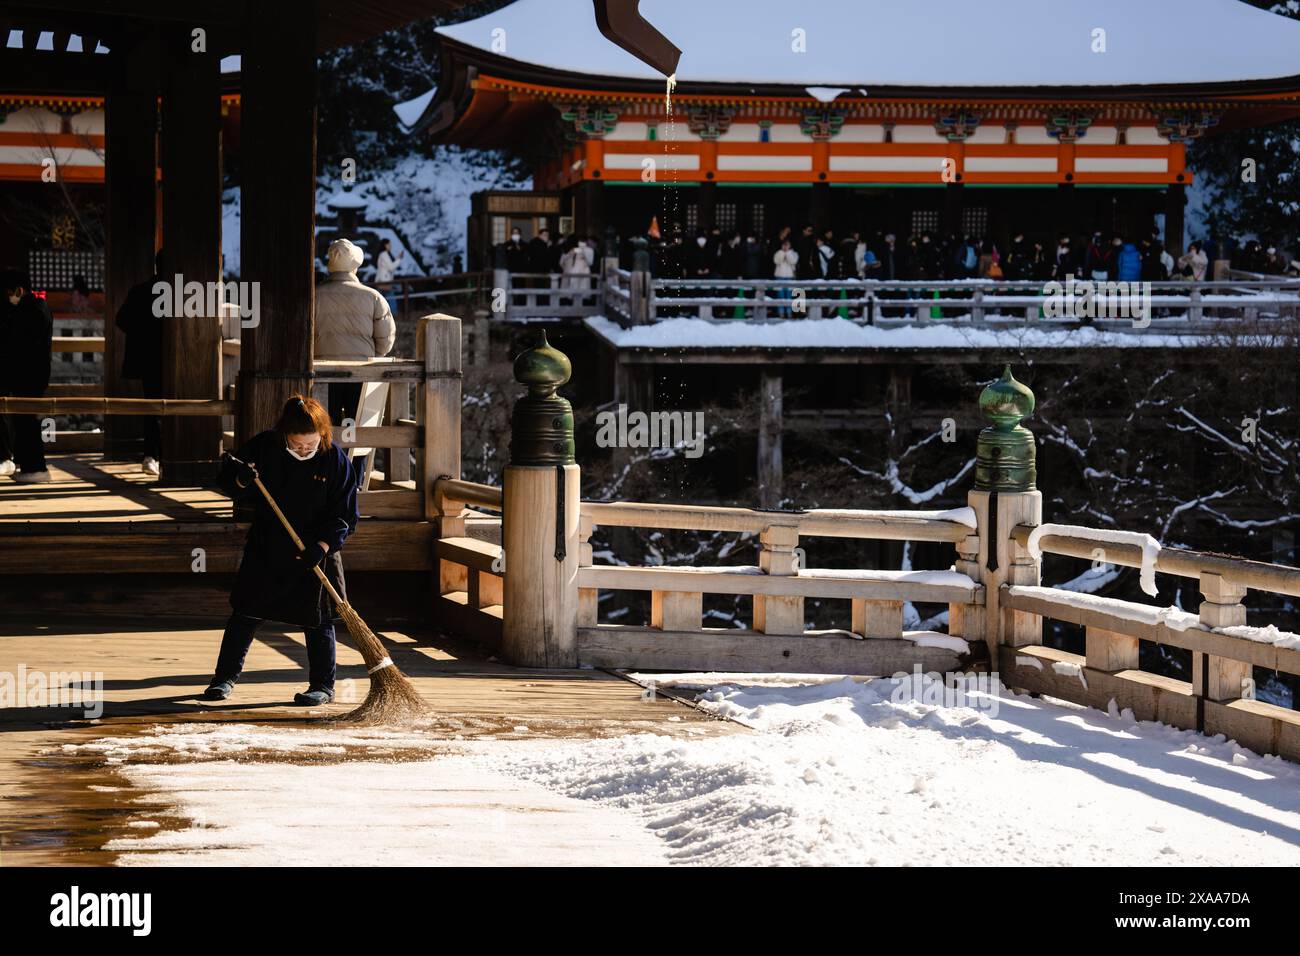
885, 139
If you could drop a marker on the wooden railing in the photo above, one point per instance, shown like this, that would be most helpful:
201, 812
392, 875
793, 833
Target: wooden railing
1224, 649
470, 561
874, 640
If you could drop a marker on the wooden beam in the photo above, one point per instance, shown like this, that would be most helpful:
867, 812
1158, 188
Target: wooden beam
821, 522
867, 586
715, 649
118, 548
166, 407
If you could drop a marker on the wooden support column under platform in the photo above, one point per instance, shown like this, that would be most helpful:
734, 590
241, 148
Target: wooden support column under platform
1175, 203
130, 199
708, 198
191, 164
819, 207
1067, 215
771, 470
953, 202
589, 208
278, 221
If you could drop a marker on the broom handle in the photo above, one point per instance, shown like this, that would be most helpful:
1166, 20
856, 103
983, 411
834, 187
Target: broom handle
297, 540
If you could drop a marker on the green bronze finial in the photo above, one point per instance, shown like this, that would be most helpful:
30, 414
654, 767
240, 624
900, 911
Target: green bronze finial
542, 424
1004, 454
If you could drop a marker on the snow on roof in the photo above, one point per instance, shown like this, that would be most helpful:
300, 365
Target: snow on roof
919, 43
839, 334
410, 111
345, 199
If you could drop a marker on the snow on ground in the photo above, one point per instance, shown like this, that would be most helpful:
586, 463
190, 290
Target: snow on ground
836, 771
838, 333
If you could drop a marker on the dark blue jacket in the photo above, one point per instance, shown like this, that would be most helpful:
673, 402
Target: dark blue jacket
1130, 263
319, 497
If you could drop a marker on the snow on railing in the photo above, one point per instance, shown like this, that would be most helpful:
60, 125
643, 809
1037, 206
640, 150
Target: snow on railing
1225, 650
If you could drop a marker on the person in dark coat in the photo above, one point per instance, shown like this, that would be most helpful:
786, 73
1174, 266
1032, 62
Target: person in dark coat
806, 245
26, 333
752, 258
312, 481
1097, 259
142, 356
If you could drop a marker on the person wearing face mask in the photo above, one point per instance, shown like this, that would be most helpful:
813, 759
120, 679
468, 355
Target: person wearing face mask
26, 331
310, 478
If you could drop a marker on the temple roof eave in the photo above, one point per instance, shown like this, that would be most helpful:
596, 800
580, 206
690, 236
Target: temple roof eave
462, 65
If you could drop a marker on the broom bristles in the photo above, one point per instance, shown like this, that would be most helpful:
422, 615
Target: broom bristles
392, 697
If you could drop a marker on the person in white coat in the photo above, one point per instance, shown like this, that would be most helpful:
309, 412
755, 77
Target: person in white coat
576, 266
784, 262
386, 271
353, 322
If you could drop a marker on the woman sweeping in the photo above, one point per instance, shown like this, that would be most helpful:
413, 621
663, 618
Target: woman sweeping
314, 484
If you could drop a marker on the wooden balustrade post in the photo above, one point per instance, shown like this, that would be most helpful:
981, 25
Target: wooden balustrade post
587, 597
640, 287
1220, 678
967, 620
439, 406
540, 519
778, 615
1005, 496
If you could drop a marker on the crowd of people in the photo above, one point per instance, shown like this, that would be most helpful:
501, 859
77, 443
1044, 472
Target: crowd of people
925, 257
809, 255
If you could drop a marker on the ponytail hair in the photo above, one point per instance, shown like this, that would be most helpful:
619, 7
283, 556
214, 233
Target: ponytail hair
301, 416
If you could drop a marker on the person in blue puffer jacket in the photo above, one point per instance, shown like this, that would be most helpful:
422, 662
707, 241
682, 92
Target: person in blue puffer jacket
1130, 263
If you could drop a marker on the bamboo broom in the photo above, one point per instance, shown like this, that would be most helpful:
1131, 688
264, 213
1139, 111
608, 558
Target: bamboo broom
392, 697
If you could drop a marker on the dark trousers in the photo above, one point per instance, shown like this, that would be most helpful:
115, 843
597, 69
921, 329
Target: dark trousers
21, 440
151, 385
29, 450
343, 399
238, 638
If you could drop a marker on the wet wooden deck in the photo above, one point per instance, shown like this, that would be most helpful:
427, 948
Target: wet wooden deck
60, 807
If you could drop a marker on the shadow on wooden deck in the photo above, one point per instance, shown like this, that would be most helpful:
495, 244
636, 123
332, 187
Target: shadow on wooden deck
62, 805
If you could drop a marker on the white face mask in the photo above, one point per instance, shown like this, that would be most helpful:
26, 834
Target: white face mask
700, 241
302, 457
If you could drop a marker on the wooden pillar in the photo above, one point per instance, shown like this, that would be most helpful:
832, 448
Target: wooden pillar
819, 207
1175, 202
708, 196
953, 198
278, 216
191, 171
540, 622
1067, 213
589, 208
130, 194
770, 464
439, 400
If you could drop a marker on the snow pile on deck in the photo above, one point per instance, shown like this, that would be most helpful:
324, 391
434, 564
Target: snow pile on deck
837, 772
842, 334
